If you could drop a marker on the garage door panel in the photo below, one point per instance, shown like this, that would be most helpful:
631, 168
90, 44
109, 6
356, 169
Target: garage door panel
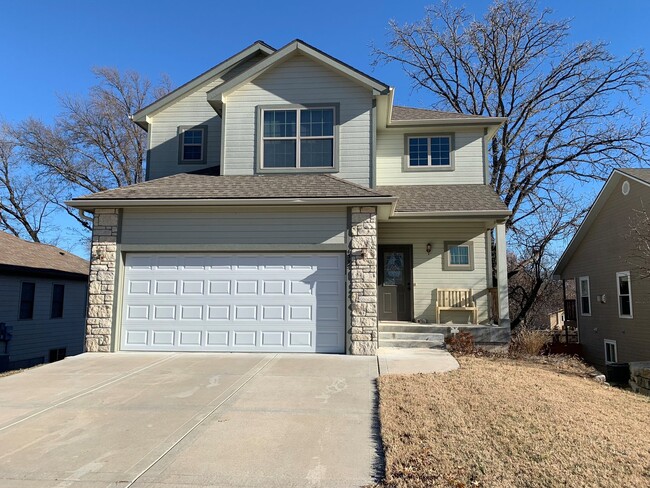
270, 302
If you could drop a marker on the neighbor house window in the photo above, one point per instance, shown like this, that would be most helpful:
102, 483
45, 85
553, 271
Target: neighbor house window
192, 144
585, 299
624, 290
458, 256
611, 354
27, 293
58, 292
429, 152
298, 138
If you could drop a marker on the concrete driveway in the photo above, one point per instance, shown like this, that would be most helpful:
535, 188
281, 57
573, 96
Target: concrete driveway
161, 420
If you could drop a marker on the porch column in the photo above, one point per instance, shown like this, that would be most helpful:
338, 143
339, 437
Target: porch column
363, 328
103, 255
502, 275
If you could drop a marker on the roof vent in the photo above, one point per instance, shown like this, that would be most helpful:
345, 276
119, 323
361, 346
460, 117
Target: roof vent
625, 187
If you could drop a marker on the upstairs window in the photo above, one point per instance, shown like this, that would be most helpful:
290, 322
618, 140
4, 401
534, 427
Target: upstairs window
624, 290
27, 293
585, 299
429, 152
298, 138
58, 292
192, 144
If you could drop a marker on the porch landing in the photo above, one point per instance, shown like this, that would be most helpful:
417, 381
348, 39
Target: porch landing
412, 334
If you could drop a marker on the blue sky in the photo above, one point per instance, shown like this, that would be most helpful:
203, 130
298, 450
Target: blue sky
49, 47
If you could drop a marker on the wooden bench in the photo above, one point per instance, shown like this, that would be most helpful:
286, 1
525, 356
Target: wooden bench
456, 299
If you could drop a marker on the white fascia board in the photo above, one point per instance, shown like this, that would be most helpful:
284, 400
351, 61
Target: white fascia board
142, 116
90, 204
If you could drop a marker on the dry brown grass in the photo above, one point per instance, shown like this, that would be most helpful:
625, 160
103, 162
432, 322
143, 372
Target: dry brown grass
499, 422
528, 342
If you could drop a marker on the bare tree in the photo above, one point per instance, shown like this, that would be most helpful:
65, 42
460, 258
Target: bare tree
638, 238
23, 206
569, 109
92, 145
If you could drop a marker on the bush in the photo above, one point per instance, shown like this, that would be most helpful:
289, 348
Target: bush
528, 342
461, 343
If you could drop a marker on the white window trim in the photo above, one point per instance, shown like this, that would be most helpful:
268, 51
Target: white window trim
469, 256
182, 145
613, 343
298, 138
429, 167
580, 280
618, 294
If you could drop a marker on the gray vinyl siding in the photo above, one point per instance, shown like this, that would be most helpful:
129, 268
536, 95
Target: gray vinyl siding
229, 226
468, 167
33, 338
428, 273
190, 111
600, 255
300, 80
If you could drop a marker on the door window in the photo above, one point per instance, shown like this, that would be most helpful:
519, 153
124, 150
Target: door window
393, 268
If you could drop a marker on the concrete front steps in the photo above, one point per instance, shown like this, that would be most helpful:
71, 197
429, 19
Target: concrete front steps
413, 336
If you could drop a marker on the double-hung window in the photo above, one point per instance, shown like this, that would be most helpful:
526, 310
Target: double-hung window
585, 299
192, 144
27, 295
299, 137
429, 152
624, 291
611, 354
58, 292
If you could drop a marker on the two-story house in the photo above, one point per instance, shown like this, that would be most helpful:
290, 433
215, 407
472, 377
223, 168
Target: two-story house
290, 206
602, 259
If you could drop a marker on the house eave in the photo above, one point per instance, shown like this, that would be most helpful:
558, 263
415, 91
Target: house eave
90, 204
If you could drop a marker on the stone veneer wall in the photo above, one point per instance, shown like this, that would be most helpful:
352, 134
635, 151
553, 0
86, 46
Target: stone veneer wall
363, 332
103, 254
640, 377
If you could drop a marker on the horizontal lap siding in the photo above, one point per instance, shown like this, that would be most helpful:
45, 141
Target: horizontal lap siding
229, 226
428, 274
34, 338
469, 167
600, 256
189, 111
300, 80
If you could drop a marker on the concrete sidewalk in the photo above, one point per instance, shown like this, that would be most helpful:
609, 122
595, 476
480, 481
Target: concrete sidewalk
394, 360
161, 420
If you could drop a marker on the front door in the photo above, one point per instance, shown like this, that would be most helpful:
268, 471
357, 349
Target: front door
395, 270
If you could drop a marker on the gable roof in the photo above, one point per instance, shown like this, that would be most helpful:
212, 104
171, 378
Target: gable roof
18, 254
296, 46
446, 200
641, 175
202, 187
140, 117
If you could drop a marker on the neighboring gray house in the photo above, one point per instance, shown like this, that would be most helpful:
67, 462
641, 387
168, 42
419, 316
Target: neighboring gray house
290, 206
43, 293
613, 303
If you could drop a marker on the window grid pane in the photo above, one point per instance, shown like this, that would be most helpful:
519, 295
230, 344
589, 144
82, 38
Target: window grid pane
192, 153
317, 153
279, 154
459, 255
280, 123
317, 123
27, 293
440, 150
57, 301
418, 151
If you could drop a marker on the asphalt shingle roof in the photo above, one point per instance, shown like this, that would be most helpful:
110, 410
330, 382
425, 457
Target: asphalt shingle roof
445, 198
412, 113
639, 173
16, 252
200, 185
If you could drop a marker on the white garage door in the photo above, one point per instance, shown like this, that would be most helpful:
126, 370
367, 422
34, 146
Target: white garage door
234, 302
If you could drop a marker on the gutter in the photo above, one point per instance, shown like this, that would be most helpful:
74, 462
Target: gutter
187, 202
498, 214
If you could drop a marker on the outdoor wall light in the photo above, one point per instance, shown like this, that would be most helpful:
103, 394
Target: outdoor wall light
429, 247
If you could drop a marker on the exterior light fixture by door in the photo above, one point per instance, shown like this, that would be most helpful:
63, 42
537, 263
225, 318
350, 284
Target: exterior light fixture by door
428, 248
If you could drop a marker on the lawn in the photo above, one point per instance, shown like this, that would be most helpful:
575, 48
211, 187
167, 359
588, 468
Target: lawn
500, 422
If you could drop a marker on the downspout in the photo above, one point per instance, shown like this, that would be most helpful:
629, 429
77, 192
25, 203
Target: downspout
83, 216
